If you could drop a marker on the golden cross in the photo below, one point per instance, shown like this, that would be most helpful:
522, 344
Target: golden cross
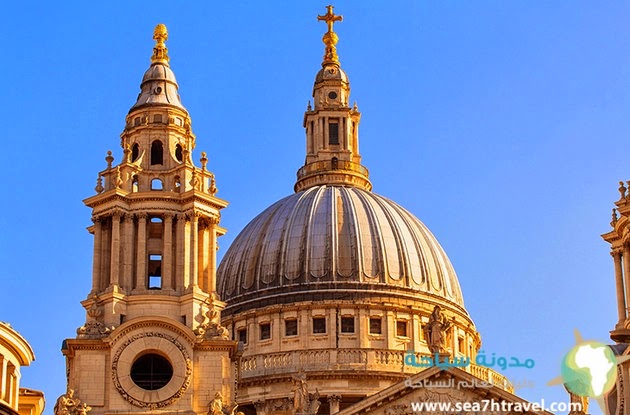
330, 18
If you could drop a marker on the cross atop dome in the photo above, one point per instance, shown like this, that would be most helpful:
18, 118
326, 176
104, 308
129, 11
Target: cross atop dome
330, 17
330, 38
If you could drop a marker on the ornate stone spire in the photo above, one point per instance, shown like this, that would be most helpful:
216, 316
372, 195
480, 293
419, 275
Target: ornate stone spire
160, 209
159, 86
153, 308
330, 38
160, 52
332, 126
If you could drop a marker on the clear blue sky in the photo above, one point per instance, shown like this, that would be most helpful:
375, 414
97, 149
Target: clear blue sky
503, 125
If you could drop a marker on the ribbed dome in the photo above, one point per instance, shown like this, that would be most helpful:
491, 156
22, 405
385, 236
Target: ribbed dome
328, 239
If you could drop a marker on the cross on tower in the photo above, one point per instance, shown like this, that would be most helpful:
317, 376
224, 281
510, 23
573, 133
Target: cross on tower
330, 18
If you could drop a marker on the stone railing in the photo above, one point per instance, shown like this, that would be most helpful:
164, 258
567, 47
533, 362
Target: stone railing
380, 360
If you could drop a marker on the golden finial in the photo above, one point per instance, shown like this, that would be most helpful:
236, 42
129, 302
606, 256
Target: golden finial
160, 52
330, 38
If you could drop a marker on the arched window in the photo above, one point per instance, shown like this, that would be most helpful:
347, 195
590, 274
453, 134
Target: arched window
178, 184
157, 152
134, 183
155, 228
178, 153
135, 152
334, 163
156, 184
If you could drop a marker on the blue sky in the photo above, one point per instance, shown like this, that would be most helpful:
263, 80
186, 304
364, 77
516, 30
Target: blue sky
501, 124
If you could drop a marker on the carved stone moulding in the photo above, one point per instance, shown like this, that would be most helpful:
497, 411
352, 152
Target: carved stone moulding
160, 343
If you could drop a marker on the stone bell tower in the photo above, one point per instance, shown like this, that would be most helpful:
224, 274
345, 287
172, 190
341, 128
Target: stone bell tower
152, 339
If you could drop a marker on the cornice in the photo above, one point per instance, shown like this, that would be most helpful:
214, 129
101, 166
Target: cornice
71, 345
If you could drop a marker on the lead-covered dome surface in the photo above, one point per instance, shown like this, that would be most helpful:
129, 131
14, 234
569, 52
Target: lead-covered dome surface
331, 72
328, 239
159, 86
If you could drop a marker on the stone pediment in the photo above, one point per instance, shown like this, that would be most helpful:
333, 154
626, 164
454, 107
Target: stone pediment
465, 393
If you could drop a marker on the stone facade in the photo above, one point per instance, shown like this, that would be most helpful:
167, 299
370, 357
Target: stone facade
312, 310
15, 353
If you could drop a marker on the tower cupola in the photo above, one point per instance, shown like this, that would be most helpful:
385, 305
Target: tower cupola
159, 86
332, 126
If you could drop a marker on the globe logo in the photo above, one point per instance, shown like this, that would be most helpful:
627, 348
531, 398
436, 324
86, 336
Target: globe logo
589, 369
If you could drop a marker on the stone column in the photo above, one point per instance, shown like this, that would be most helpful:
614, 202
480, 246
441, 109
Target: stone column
344, 133
183, 251
114, 267
416, 332
355, 143
212, 257
141, 258
333, 402
167, 252
326, 129
10, 388
96, 264
127, 268
626, 271
3, 377
203, 256
179, 252
621, 302
194, 250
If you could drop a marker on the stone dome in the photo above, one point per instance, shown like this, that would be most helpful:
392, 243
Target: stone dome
334, 242
159, 86
331, 72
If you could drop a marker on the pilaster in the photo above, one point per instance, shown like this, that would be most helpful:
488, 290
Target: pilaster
96, 264
621, 303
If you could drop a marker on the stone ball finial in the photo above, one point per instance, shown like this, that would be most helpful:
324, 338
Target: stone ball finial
203, 160
109, 159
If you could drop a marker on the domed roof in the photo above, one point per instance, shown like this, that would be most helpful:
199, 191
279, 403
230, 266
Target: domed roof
159, 86
327, 240
331, 72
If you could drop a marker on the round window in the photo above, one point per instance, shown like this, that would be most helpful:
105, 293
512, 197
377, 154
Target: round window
151, 371
332, 95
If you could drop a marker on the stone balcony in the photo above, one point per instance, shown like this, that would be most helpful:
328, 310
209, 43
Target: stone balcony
332, 172
372, 360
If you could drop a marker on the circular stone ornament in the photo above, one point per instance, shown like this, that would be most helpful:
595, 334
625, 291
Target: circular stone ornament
162, 346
